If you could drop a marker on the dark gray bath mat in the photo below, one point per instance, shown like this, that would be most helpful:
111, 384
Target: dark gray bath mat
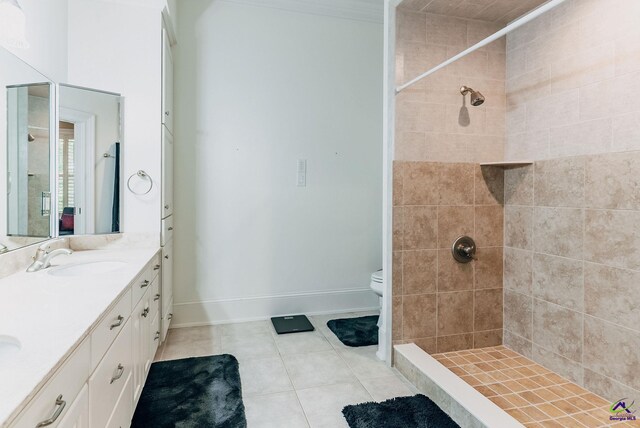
404, 412
193, 392
362, 331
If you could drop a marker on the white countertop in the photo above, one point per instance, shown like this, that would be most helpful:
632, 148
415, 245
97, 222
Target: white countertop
50, 315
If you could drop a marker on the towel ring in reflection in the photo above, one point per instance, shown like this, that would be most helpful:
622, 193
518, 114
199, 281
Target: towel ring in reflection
143, 175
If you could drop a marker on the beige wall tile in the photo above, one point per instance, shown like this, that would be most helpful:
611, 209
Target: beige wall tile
626, 133
612, 351
560, 365
518, 270
611, 238
419, 316
419, 272
489, 185
612, 181
484, 339
517, 343
398, 222
518, 225
488, 309
454, 316
559, 231
420, 228
443, 30
593, 136
518, 310
556, 110
489, 225
398, 169
612, 294
397, 273
456, 342
518, 186
420, 117
558, 329
454, 184
607, 387
560, 182
419, 183
411, 27
397, 322
559, 280
428, 344
488, 268
453, 276
453, 222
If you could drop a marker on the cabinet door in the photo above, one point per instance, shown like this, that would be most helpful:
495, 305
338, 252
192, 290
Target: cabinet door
167, 174
78, 414
167, 289
139, 345
153, 340
167, 83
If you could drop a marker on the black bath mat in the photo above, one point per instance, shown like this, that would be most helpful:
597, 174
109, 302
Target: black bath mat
193, 392
404, 412
362, 331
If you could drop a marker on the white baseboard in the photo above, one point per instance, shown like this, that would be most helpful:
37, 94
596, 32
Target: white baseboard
259, 308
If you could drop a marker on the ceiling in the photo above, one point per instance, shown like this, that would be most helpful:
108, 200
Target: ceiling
498, 11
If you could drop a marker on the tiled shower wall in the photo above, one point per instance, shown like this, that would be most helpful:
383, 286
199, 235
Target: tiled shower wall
434, 122
439, 304
572, 269
573, 76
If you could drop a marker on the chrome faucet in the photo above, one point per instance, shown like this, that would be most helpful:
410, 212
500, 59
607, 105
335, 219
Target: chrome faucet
42, 259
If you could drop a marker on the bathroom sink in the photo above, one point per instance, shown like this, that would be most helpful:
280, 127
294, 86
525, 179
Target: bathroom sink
88, 268
9, 347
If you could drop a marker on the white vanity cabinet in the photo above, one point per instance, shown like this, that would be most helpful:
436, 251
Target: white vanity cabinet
167, 82
100, 383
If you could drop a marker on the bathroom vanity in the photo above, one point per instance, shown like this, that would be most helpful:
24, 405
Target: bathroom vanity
78, 339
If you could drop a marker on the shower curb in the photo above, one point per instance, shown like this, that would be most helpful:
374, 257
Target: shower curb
466, 406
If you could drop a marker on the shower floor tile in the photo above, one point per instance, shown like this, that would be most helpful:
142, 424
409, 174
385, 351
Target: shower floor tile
533, 395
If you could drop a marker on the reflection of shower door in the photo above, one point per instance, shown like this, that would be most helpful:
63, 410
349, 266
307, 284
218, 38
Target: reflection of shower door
77, 159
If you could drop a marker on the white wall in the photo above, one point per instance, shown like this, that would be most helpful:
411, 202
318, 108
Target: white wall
47, 37
258, 88
115, 46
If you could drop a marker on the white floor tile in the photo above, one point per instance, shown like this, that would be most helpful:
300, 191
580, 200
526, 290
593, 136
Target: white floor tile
323, 405
384, 388
246, 347
246, 328
302, 343
264, 376
197, 348
364, 362
274, 411
318, 368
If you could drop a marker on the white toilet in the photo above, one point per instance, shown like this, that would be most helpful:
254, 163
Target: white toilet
377, 286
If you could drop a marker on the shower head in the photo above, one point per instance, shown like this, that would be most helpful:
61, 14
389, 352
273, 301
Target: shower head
477, 98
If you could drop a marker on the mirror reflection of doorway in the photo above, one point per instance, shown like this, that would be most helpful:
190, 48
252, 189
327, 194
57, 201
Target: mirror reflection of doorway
75, 155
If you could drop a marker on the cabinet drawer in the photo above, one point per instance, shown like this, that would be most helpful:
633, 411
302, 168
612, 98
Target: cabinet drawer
144, 280
167, 315
105, 333
167, 231
122, 414
108, 381
154, 339
55, 399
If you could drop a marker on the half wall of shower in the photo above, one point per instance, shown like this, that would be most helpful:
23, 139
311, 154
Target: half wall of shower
558, 260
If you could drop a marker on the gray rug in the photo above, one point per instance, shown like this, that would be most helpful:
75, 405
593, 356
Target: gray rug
403, 412
361, 331
193, 392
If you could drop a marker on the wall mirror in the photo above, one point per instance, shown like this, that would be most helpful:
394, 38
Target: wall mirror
26, 132
88, 153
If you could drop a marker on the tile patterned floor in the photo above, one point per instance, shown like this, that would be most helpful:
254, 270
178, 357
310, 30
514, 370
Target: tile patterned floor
298, 380
532, 394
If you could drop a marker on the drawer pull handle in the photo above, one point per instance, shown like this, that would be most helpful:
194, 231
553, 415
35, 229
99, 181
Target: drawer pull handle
171, 228
117, 323
157, 336
145, 312
170, 316
166, 207
144, 284
156, 297
119, 373
167, 257
60, 404
156, 267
